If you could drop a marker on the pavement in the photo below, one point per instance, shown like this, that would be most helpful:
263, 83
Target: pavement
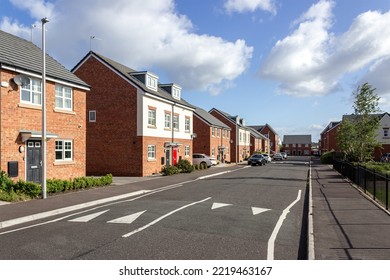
343, 222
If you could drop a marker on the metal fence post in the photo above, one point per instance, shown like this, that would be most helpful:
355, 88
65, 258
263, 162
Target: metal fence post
387, 192
374, 194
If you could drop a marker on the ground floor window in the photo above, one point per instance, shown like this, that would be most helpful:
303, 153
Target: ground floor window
187, 151
151, 152
64, 150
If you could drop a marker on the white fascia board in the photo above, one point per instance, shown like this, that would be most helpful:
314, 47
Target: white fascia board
47, 78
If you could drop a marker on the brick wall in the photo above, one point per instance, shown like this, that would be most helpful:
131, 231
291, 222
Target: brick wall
16, 116
112, 142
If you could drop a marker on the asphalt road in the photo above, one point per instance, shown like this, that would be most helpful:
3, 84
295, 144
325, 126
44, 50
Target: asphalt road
252, 213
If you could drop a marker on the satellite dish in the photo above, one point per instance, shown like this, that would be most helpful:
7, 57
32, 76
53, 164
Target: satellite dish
21, 80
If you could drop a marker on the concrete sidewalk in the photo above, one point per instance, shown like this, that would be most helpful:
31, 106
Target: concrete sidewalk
347, 225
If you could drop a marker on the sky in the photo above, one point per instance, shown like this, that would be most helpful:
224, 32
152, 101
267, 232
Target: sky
293, 65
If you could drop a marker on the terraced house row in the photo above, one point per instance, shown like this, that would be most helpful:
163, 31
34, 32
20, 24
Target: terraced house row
104, 117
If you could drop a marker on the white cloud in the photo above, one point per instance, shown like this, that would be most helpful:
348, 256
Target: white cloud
312, 60
242, 6
141, 34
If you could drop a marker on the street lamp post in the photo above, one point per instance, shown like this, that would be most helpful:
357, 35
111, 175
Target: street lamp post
43, 177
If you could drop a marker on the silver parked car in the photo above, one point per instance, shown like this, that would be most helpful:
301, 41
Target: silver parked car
267, 157
201, 159
278, 156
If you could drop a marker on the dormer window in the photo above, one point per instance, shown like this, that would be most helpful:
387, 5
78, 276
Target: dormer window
176, 92
172, 89
151, 82
147, 78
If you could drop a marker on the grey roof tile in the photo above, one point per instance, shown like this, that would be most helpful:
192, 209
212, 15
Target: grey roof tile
21, 54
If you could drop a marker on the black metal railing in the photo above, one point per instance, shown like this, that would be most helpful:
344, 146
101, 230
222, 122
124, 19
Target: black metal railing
370, 181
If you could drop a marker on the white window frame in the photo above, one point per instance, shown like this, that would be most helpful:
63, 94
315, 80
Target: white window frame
92, 116
151, 152
167, 120
34, 89
176, 122
187, 151
61, 92
152, 117
151, 82
187, 125
63, 147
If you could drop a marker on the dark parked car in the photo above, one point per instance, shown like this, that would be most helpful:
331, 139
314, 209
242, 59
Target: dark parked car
257, 159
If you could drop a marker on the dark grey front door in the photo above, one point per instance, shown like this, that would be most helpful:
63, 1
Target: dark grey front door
34, 161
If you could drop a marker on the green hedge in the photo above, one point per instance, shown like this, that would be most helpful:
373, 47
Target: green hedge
21, 190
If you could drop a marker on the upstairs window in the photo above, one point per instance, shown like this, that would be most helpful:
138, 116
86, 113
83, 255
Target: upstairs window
385, 132
176, 122
176, 92
151, 82
64, 97
167, 120
152, 117
187, 124
31, 92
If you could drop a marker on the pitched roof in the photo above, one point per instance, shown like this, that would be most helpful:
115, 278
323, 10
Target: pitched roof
330, 126
231, 118
297, 139
255, 133
21, 55
261, 127
128, 73
210, 119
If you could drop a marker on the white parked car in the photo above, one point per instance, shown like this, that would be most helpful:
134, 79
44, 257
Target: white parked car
267, 157
213, 160
201, 159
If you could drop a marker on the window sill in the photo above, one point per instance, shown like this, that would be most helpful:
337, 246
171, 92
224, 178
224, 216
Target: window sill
30, 106
152, 160
151, 126
62, 111
64, 162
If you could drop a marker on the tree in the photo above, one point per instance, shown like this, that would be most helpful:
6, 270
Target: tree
357, 133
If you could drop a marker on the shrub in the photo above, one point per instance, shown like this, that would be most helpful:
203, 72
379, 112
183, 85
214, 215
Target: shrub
5, 182
170, 170
327, 157
185, 166
31, 189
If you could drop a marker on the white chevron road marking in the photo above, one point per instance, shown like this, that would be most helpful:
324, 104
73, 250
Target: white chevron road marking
257, 210
219, 205
127, 219
89, 217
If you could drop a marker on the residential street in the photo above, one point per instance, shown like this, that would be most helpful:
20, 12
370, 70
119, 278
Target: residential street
247, 213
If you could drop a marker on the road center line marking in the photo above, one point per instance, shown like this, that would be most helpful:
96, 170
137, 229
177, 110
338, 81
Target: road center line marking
163, 217
271, 241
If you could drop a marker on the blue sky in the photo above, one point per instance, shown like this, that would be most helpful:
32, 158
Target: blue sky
291, 64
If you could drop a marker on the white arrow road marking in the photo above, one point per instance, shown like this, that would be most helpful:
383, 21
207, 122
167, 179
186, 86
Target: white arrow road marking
257, 210
89, 217
271, 241
163, 217
219, 205
127, 219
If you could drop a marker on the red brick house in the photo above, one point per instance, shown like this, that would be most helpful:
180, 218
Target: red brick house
258, 142
21, 114
328, 141
136, 125
240, 135
297, 145
271, 134
212, 137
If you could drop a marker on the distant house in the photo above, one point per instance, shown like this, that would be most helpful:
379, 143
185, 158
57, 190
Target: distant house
297, 145
136, 125
21, 114
211, 136
271, 134
328, 140
382, 133
258, 142
240, 135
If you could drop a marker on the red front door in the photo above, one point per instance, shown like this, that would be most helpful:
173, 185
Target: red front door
174, 156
